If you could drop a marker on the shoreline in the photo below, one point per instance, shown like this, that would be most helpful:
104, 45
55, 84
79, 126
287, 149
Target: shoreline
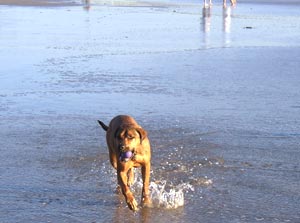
38, 3
47, 3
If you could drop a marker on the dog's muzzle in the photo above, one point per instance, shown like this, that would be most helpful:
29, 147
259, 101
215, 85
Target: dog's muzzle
126, 156
123, 148
126, 153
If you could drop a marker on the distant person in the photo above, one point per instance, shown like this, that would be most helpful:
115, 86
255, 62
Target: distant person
233, 3
207, 5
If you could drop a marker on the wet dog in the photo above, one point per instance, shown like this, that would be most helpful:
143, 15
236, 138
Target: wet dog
129, 147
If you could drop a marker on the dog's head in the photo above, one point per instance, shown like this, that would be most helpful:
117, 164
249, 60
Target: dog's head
128, 138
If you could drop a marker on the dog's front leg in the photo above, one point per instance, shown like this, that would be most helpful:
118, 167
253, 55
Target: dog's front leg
146, 200
130, 200
130, 178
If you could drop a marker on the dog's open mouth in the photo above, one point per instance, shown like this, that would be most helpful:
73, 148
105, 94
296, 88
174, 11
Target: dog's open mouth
126, 156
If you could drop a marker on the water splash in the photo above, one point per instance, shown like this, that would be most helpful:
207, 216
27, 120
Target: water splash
171, 198
166, 195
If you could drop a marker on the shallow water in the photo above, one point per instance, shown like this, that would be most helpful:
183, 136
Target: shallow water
219, 96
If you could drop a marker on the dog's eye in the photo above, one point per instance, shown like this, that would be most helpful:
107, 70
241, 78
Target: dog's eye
130, 137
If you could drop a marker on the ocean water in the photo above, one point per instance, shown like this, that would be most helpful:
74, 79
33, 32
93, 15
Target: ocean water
217, 90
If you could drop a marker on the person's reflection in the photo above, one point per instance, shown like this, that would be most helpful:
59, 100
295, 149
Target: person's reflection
123, 214
86, 4
206, 24
227, 25
206, 19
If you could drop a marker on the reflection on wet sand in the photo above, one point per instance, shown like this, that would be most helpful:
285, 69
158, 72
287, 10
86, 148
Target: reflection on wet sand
143, 215
227, 19
206, 17
207, 25
226, 25
86, 4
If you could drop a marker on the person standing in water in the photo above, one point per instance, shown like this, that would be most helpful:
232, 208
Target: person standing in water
233, 3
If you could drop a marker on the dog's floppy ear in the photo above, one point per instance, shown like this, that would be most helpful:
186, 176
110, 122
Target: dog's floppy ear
143, 133
118, 132
105, 127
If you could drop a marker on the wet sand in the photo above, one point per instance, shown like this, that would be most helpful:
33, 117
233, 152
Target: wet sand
39, 2
217, 90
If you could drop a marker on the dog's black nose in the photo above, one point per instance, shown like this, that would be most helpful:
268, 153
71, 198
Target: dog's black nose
122, 147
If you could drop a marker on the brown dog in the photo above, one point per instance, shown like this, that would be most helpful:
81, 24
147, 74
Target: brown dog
129, 147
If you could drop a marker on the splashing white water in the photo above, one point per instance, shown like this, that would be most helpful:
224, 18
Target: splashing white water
170, 199
163, 194
167, 196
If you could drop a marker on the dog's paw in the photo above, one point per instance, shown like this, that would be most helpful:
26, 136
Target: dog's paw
131, 202
146, 202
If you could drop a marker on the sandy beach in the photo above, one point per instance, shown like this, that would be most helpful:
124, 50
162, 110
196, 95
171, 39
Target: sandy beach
217, 90
47, 3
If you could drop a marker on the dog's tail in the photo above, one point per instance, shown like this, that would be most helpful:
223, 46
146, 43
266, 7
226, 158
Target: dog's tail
105, 127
